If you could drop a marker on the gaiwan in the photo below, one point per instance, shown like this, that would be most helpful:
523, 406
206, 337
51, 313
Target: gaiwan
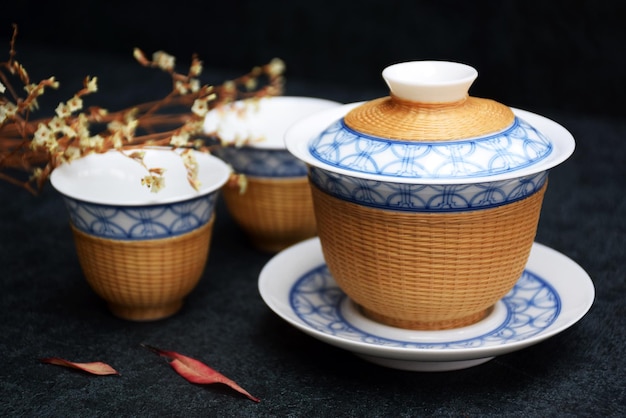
427, 201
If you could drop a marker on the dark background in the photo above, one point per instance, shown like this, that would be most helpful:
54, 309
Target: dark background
534, 54
563, 59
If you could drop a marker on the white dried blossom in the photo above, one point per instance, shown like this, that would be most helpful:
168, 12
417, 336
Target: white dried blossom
44, 137
72, 153
196, 68
200, 107
251, 84
92, 84
125, 130
57, 124
154, 183
117, 140
194, 85
140, 56
63, 110
163, 60
94, 142
276, 67
7, 110
181, 87
180, 140
52, 82
75, 103
191, 165
194, 126
81, 126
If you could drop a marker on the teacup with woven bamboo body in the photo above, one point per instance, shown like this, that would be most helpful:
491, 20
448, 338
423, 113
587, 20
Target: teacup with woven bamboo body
427, 201
142, 252
274, 208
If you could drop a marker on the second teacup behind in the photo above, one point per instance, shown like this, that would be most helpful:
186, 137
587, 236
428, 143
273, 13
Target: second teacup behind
275, 208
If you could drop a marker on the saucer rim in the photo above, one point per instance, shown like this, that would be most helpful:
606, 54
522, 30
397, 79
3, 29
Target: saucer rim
583, 289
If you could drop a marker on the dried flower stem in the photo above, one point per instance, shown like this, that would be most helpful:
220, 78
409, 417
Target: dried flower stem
38, 146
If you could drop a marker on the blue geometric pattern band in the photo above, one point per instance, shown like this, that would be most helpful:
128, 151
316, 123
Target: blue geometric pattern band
515, 148
259, 162
426, 197
141, 222
532, 306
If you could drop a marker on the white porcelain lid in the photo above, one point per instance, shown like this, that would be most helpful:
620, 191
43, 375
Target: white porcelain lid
530, 144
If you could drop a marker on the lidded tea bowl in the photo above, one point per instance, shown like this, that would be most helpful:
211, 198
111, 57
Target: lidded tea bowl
427, 201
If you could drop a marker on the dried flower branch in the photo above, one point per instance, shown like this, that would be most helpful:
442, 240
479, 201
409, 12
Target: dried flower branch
38, 146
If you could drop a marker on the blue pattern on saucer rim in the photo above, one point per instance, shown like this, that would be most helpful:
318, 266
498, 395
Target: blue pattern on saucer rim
516, 147
531, 307
141, 222
552, 294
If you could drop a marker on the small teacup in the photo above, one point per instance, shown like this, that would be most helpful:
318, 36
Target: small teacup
275, 208
142, 252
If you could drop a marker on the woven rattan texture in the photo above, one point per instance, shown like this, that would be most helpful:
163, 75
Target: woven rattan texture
274, 213
390, 117
146, 279
426, 270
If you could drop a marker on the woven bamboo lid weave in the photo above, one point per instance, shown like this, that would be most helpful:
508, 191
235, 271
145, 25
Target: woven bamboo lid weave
395, 118
429, 101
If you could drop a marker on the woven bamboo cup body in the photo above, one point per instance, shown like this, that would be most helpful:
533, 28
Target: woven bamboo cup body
144, 279
426, 270
275, 209
427, 202
274, 212
142, 253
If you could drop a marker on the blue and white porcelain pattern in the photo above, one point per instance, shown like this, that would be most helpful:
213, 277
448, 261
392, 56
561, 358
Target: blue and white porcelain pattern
529, 308
533, 144
105, 198
259, 125
552, 295
141, 222
426, 197
516, 147
260, 162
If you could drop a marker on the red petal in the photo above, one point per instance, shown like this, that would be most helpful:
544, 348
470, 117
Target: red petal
96, 367
197, 372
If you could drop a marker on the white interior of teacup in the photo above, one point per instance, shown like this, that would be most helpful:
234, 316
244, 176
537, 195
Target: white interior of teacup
112, 178
263, 122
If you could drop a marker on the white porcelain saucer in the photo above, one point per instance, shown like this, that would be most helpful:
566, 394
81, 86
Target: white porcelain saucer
553, 294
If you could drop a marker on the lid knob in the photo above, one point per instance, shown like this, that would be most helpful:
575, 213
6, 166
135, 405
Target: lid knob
430, 81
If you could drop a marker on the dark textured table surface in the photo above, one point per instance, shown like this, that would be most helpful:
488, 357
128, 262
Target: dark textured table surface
49, 310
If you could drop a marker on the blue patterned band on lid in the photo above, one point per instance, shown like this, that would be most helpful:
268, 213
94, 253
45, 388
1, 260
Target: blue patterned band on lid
516, 147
